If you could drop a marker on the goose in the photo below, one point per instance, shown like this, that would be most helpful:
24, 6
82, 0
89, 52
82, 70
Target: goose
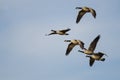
83, 11
60, 32
92, 47
96, 57
72, 44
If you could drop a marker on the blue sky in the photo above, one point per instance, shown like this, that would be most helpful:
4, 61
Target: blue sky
27, 54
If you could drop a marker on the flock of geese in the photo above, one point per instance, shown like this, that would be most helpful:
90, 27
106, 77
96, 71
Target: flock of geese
89, 52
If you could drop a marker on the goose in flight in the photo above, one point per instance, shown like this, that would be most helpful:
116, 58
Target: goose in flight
83, 11
60, 32
72, 44
92, 47
96, 57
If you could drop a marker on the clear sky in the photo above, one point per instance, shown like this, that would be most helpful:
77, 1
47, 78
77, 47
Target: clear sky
27, 54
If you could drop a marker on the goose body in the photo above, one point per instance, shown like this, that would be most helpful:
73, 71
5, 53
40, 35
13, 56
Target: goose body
96, 57
60, 32
92, 46
72, 44
83, 11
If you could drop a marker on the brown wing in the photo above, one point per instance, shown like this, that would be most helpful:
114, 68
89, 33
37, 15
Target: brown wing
80, 15
91, 61
65, 30
70, 47
93, 12
94, 43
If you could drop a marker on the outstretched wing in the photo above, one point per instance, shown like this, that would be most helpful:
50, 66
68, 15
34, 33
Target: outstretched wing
93, 12
65, 30
70, 47
80, 15
91, 61
94, 43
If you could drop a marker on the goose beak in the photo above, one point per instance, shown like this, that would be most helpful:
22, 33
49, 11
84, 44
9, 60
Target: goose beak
79, 50
46, 35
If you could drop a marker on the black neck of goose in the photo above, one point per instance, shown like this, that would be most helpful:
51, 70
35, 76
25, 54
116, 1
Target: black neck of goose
78, 7
67, 40
66, 34
87, 56
80, 51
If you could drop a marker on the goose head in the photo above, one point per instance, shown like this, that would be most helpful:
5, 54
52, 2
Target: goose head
103, 54
78, 8
66, 34
103, 59
67, 40
68, 29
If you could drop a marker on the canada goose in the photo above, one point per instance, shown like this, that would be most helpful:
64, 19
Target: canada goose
83, 11
96, 56
72, 44
60, 32
92, 46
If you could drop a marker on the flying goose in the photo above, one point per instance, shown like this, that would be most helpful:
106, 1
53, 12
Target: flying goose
92, 46
60, 32
73, 43
83, 11
96, 57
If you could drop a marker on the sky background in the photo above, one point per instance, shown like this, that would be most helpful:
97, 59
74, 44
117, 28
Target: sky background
27, 54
